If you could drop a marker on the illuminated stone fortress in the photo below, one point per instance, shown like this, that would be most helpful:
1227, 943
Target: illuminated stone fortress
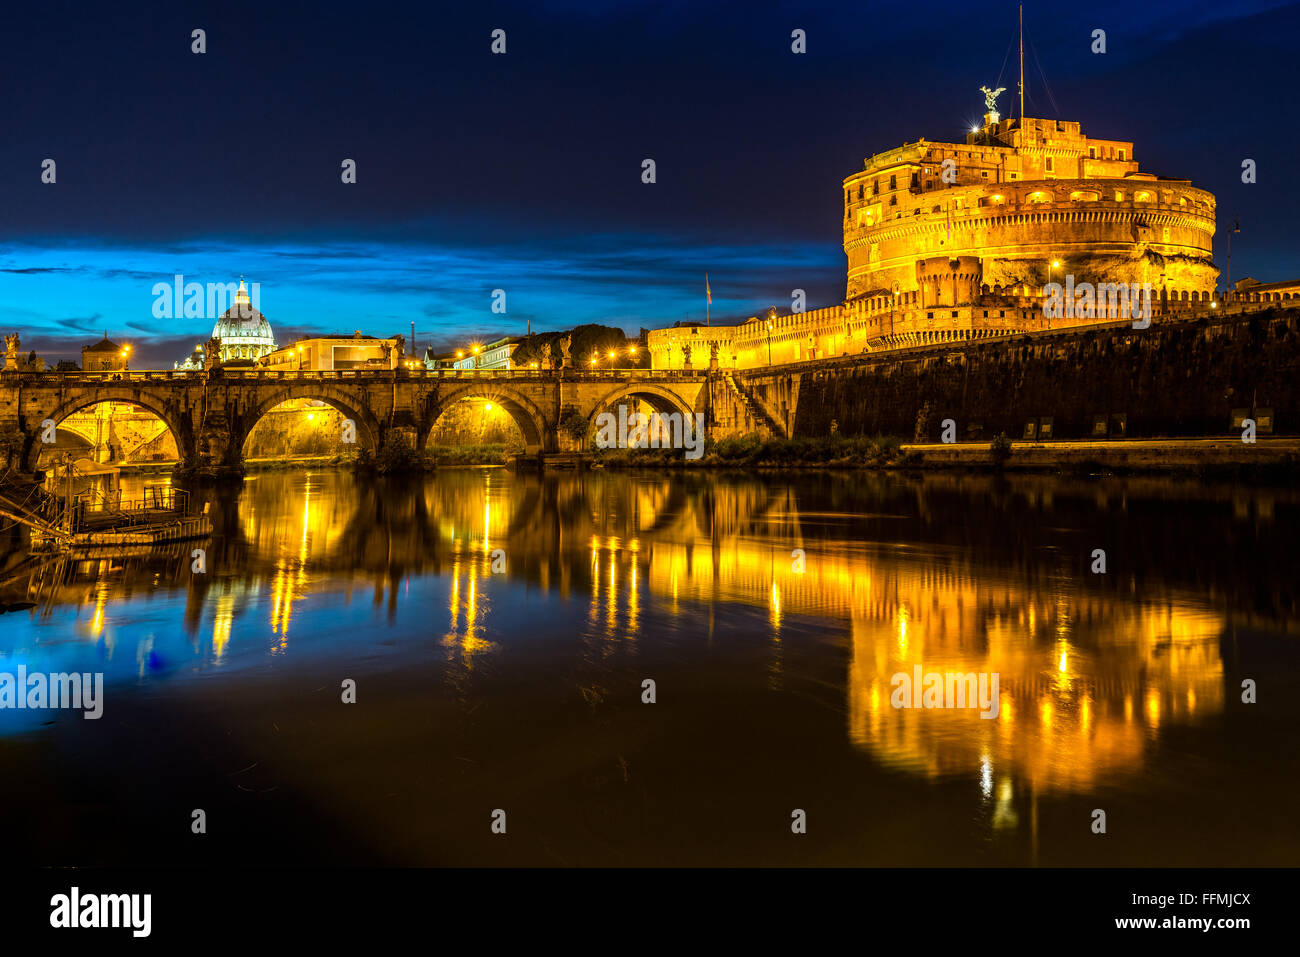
957, 241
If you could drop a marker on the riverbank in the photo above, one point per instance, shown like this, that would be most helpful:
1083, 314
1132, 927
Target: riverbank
1226, 457
1218, 457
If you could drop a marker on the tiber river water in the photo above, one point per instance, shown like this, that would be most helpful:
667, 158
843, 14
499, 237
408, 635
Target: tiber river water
521, 689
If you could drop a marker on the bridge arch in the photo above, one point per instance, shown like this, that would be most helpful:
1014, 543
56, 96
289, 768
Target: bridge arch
368, 428
660, 398
524, 412
177, 422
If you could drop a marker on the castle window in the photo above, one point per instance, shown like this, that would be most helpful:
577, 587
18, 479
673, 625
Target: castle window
893, 181
1049, 164
860, 193
893, 201
1092, 152
1121, 154
1119, 196
1013, 175
984, 173
875, 187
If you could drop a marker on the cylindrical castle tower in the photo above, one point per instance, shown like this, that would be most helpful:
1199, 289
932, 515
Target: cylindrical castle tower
1030, 202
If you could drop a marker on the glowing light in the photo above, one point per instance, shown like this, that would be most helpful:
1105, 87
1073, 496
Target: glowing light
487, 407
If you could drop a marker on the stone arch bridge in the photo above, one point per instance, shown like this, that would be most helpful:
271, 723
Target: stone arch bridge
211, 414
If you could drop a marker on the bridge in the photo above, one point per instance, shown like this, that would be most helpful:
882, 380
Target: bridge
210, 414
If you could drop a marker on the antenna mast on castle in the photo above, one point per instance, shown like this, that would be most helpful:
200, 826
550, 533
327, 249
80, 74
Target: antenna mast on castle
1022, 64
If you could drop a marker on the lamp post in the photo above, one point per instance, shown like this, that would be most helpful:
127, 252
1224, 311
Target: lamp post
126, 358
1236, 228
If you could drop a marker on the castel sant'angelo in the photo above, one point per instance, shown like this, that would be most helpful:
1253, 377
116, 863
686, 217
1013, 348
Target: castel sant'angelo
960, 241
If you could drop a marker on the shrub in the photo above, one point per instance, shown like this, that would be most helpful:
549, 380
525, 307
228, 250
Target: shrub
394, 455
1000, 449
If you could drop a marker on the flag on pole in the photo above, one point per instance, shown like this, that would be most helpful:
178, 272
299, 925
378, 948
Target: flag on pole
708, 293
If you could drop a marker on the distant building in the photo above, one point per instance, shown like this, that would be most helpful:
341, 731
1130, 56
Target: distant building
334, 353
244, 333
493, 356
1252, 290
435, 361
103, 356
192, 362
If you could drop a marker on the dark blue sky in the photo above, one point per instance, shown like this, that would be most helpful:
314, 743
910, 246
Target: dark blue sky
523, 171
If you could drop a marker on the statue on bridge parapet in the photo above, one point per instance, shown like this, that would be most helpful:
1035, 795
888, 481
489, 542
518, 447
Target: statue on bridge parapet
686, 356
11, 352
566, 346
713, 355
212, 355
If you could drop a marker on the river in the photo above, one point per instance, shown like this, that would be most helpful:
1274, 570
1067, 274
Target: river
500, 629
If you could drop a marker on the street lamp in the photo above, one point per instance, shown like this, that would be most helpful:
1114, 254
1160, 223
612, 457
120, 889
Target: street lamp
475, 350
1235, 228
126, 357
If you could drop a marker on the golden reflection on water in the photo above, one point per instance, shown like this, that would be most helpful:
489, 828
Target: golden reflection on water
1087, 678
1086, 681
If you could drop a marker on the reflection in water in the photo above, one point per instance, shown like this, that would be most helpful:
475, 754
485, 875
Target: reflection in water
822, 582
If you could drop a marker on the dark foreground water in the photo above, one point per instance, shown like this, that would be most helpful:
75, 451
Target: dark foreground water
520, 689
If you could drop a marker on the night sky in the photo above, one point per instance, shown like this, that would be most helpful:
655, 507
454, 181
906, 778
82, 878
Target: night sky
523, 171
